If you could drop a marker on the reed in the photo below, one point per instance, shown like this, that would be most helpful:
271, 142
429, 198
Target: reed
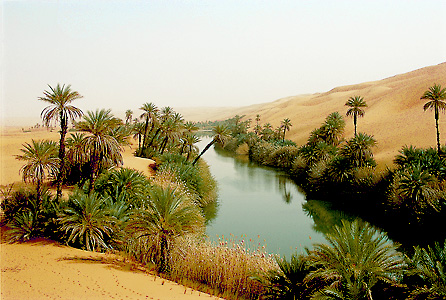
226, 267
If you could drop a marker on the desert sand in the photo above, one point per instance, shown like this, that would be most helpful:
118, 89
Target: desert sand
394, 116
43, 269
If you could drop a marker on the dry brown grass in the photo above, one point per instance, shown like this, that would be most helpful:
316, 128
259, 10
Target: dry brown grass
226, 267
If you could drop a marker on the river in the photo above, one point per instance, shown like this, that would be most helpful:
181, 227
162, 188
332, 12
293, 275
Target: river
264, 207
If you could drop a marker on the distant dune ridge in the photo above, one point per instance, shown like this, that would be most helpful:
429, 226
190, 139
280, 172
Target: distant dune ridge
394, 116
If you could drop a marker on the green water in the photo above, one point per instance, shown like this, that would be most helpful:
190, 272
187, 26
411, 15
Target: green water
264, 207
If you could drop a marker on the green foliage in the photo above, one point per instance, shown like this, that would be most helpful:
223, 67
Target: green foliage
358, 257
125, 182
288, 281
168, 216
84, 219
27, 216
283, 157
429, 264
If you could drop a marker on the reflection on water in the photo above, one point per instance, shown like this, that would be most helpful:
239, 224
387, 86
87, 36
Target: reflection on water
263, 204
324, 217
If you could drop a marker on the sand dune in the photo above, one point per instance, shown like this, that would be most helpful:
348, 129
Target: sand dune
394, 115
46, 270
13, 138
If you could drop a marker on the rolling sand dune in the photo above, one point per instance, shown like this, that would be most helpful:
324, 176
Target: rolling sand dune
394, 115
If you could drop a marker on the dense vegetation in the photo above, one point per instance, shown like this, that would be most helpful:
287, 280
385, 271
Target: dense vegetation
160, 221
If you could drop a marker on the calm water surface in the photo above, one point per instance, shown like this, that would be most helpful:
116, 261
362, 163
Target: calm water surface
264, 205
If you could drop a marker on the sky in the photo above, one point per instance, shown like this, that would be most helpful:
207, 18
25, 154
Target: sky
121, 54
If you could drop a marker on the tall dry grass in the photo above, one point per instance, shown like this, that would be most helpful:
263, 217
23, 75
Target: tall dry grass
226, 267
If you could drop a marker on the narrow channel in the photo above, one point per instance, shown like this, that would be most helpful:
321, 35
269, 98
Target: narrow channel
263, 207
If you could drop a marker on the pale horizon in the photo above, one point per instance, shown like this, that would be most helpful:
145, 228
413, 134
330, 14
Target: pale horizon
121, 54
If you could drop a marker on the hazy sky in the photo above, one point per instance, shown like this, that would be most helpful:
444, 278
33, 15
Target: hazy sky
120, 54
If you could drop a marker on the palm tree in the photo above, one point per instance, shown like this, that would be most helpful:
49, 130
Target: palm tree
286, 125
76, 154
166, 113
60, 110
221, 133
128, 116
359, 150
189, 143
149, 115
430, 265
417, 187
171, 130
41, 163
358, 257
100, 143
85, 219
355, 103
288, 281
188, 129
126, 183
138, 132
436, 96
169, 215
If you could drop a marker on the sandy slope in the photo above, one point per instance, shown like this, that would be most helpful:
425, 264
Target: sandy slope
47, 270
394, 115
13, 138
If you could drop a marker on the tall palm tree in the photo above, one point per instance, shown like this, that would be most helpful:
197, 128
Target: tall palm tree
189, 143
189, 128
149, 115
221, 133
41, 163
358, 257
169, 215
128, 116
356, 104
166, 113
100, 143
60, 110
436, 96
138, 132
286, 125
171, 130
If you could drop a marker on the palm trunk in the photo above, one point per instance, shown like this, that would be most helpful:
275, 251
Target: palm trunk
354, 121
438, 131
61, 174
39, 194
156, 133
204, 150
145, 135
94, 166
164, 144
